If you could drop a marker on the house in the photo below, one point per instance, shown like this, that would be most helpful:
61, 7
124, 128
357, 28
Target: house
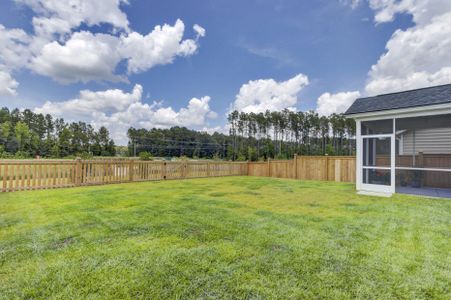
404, 142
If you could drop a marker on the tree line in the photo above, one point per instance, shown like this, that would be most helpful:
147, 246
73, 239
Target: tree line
178, 142
252, 136
25, 134
281, 134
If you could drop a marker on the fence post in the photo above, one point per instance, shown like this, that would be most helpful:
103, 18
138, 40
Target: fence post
5, 179
269, 167
131, 170
208, 169
327, 167
78, 175
295, 166
247, 168
163, 170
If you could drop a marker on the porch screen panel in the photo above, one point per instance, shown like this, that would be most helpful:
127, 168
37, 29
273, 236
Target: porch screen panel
376, 152
377, 127
423, 152
376, 176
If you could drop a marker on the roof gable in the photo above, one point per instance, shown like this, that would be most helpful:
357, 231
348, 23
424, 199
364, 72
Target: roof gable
413, 98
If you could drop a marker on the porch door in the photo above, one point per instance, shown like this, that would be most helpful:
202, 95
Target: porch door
377, 164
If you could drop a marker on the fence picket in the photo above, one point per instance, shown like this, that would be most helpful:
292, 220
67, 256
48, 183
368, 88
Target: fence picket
41, 174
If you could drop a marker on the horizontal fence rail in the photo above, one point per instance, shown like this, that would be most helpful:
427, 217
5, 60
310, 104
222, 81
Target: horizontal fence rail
19, 175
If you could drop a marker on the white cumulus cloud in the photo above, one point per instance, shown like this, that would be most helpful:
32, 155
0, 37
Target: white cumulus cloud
199, 30
8, 85
418, 56
118, 110
268, 94
422, 11
14, 51
351, 3
60, 50
108, 101
159, 47
328, 104
57, 16
84, 57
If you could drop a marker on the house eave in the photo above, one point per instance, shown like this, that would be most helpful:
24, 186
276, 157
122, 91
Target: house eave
427, 110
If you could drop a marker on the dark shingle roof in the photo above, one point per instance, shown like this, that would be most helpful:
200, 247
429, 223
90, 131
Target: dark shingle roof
420, 97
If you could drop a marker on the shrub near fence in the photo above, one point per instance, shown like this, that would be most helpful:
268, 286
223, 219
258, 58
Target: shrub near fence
17, 175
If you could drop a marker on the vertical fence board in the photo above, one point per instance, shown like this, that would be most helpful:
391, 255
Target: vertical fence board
41, 174
324, 168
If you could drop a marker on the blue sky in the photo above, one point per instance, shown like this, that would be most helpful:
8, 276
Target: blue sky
342, 49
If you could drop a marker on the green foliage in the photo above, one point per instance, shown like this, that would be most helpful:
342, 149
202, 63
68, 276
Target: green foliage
330, 149
177, 142
282, 134
270, 134
5, 129
280, 156
241, 157
22, 133
252, 154
84, 155
121, 151
4, 154
21, 155
25, 134
222, 238
144, 155
279, 134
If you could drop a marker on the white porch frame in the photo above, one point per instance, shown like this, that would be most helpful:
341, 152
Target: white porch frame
393, 114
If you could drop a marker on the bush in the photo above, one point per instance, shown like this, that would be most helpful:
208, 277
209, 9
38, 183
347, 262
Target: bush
280, 156
6, 155
84, 155
252, 154
241, 157
144, 155
21, 155
72, 156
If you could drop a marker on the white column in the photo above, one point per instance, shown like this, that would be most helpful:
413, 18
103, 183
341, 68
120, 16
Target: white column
393, 158
358, 155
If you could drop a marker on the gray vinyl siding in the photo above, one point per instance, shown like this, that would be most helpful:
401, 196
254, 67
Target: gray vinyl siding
428, 141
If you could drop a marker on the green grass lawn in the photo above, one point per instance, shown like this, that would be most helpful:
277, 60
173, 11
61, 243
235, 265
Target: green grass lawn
232, 237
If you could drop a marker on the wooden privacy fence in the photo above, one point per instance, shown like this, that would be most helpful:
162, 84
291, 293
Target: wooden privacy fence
17, 175
325, 168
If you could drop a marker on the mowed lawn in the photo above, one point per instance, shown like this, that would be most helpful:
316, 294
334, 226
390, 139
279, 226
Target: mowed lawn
231, 237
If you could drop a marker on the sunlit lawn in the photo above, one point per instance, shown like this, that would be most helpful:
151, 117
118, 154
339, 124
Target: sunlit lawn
232, 237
